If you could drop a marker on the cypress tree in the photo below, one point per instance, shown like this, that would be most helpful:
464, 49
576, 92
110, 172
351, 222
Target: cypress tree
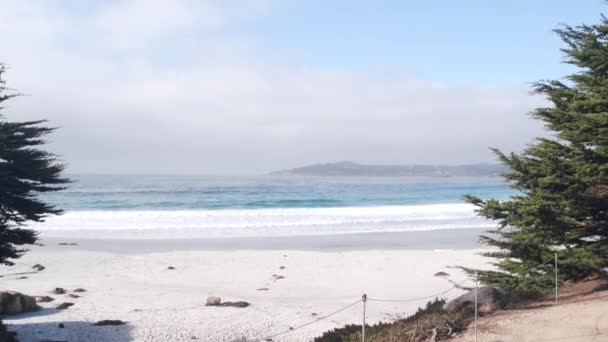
26, 171
562, 179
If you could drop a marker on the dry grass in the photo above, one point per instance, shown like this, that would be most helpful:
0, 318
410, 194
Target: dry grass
430, 323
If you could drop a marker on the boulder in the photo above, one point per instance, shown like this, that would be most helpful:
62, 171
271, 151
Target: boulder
489, 299
213, 301
79, 290
441, 274
12, 303
239, 304
59, 290
44, 299
106, 322
64, 306
38, 267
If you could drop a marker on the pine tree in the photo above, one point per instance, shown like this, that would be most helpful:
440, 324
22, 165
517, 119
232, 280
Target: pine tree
26, 171
562, 181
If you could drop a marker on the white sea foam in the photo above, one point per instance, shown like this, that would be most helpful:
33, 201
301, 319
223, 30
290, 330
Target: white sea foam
261, 222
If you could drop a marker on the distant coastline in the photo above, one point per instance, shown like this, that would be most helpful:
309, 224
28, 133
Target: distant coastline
351, 169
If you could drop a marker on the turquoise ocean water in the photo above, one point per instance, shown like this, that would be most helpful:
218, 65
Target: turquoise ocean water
139, 206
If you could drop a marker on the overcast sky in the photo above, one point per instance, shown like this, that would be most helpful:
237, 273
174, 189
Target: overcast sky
249, 86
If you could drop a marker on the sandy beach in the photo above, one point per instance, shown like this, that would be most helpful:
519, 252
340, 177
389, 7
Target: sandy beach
303, 171
162, 304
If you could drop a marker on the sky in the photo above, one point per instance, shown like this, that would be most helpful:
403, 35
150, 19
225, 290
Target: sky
251, 86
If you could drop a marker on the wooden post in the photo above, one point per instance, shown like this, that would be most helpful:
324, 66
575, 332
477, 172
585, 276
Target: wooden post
364, 299
556, 280
476, 282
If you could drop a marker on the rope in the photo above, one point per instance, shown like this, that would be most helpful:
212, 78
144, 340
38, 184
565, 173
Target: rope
267, 338
418, 299
17, 274
20, 273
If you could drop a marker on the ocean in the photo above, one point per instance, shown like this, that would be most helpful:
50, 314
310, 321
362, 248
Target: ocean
165, 207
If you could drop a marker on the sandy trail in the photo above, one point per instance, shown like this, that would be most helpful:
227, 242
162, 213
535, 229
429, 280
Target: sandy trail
580, 316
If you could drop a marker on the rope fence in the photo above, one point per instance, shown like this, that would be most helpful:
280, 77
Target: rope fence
291, 329
364, 299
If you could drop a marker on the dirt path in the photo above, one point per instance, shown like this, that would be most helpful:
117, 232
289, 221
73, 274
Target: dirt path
581, 316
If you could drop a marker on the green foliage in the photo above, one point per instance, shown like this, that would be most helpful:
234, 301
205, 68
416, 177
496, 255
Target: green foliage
563, 181
25, 172
417, 327
5, 335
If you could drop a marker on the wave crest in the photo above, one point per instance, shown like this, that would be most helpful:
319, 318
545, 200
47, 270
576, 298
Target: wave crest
261, 222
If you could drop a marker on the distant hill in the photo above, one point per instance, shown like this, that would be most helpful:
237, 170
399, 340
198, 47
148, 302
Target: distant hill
347, 168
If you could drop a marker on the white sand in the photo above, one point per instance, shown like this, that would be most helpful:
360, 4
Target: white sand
168, 305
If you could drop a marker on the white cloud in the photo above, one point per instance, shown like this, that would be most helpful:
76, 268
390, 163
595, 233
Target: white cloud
141, 86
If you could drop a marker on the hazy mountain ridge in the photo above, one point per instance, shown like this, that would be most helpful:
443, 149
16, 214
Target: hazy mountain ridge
347, 168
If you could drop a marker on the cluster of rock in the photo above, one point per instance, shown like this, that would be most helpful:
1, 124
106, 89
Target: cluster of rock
62, 291
13, 303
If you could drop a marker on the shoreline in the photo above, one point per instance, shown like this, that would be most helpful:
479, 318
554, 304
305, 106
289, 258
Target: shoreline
449, 239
